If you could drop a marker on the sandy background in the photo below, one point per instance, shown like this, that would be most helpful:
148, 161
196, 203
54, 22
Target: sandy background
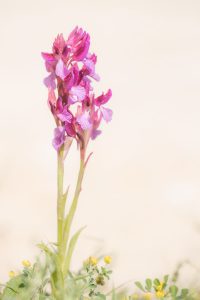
141, 196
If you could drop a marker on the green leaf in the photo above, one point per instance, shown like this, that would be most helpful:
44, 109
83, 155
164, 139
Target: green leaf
140, 286
156, 281
71, 248
69, 217
173, 290
148, 284
12, 287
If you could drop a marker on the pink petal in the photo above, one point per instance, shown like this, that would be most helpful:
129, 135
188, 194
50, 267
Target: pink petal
103, 98
59, 105
106, 114
70, 130
95, 76
72, 36
92, 57
83, 121
65, 116
79, 42
59, 137
48, 56
49, 81
69, 81
61, 70
82, 49
51, 98
90, 66
77, 93
50, 61
59, 44
95, 133
50, 65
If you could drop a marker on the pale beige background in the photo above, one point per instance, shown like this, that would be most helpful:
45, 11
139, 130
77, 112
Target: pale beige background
141, 196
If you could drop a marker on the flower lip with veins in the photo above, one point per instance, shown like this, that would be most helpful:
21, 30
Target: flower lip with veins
106, 113
49, 81
65, 115
77, 93
84, 121
61, 70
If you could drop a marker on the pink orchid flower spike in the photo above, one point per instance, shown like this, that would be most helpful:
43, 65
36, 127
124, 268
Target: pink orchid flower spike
71, 70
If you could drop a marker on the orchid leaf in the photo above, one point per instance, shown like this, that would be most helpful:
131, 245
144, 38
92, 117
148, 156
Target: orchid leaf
71, 248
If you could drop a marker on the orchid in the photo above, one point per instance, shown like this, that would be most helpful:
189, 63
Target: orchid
71, 98
78, 114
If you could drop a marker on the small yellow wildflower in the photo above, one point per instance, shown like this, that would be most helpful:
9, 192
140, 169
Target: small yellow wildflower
12, 274
107, 259
160, 286
148, 296
160, 294
26, 263
93, 261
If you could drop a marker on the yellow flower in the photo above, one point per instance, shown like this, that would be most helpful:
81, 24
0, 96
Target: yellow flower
12, 274
26, 263
160, 294
93, 261
107, 259
147, 296
160, 286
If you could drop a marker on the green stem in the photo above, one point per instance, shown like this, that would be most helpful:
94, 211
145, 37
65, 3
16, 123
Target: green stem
64, 223
70, 216
60, 208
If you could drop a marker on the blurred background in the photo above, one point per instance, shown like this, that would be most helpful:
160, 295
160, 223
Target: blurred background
141, 193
